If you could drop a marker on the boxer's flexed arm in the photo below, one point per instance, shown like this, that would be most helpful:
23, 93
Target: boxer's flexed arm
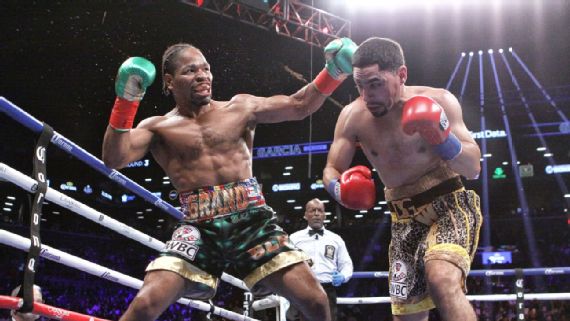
306, 101
468, 162
121, 144
352, 187
342, 148
439, 120
122, 148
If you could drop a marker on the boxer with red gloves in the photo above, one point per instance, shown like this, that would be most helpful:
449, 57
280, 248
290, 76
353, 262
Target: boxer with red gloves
355, 189
416, 139
425, 116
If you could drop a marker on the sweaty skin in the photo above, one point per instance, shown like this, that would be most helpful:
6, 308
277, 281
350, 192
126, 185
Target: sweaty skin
201, 141
374, 121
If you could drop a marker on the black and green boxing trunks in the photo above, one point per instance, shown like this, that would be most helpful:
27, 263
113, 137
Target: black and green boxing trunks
227, 228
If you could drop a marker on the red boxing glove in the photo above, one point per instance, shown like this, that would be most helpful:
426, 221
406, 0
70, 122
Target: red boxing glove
424, 116
355, 189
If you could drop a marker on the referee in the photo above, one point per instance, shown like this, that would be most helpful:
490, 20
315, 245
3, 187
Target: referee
331, 263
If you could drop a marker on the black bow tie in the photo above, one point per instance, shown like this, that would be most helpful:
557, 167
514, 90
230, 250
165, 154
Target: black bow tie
313, 232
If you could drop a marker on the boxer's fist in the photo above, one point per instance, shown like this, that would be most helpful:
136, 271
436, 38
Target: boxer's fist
425, 116
355, 189
133, 77
338, 56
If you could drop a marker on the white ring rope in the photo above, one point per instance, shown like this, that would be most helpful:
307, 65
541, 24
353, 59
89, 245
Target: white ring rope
29, 184
268, 302
488, 297
64, 258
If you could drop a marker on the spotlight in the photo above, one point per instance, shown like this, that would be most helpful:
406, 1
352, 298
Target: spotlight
470, 53
480, 52
462, 54
501, 50
490, 51
510, 49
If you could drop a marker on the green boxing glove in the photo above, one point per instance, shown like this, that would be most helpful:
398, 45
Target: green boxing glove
338, 56
133, 77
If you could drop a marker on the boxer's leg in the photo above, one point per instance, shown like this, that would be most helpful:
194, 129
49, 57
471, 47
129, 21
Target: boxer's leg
299, 285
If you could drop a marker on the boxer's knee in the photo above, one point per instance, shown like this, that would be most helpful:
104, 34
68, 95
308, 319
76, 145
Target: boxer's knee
316, 305
143, 307
443, 279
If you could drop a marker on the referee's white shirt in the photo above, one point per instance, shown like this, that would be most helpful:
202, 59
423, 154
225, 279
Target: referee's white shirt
328, 253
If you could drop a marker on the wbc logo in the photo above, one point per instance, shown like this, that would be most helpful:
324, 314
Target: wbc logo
398, 284
184, 241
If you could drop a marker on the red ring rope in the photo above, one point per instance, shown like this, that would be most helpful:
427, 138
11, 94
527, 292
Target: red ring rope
12, 303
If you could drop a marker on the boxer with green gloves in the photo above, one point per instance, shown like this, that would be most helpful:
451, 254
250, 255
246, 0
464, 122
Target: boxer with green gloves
133, 77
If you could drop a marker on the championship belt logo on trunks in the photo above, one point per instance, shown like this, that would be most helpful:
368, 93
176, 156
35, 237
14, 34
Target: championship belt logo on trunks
184, 241
218, 201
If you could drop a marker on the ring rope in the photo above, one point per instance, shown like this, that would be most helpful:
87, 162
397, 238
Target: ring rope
28, 184
48, 311
63, 200
502, 272
22, 117
78, 263
65, 144
29, 121
487, 297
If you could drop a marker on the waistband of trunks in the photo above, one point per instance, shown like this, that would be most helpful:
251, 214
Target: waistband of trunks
211, 202
428, 196
423, 184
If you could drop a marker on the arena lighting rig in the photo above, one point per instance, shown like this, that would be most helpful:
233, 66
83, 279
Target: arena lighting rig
502, 104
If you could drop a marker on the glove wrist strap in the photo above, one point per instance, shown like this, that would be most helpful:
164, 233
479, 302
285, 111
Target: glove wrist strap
450, 148
325, 83
334, 189
123, 114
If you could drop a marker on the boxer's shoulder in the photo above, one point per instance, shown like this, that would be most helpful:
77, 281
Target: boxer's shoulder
412, 91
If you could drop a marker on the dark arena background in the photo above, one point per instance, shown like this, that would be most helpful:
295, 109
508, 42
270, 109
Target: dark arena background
507, 61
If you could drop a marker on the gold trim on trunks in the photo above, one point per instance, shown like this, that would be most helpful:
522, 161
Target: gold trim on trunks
277, 263
408, 308
452, 253
184, 269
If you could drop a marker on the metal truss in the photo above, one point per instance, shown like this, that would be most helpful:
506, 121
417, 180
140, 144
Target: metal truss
289, 18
